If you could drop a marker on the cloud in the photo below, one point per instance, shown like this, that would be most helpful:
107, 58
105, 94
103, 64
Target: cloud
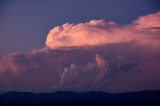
95, 32
78, 76
52, 70
96, 55
148, 21
98, 32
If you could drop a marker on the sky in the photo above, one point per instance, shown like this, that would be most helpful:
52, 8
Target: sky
24, 24
103, 45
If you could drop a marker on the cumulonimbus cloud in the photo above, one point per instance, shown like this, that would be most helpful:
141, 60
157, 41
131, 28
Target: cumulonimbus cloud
98, 32
96, 55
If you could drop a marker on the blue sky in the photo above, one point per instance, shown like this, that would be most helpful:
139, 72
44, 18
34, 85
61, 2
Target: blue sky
24, 24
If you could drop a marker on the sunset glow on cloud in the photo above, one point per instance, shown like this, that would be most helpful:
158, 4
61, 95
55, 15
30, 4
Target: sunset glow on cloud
98, 32
96, 55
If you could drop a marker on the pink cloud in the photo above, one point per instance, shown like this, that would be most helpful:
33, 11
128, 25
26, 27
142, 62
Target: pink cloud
96, 55
98, 32
148, 21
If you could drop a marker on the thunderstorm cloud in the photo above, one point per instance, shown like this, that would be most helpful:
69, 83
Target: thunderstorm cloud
97, 55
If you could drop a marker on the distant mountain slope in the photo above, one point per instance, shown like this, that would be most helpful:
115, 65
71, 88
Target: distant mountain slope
151, 98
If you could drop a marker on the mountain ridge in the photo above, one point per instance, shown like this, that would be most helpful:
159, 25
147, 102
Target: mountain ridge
81, 98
